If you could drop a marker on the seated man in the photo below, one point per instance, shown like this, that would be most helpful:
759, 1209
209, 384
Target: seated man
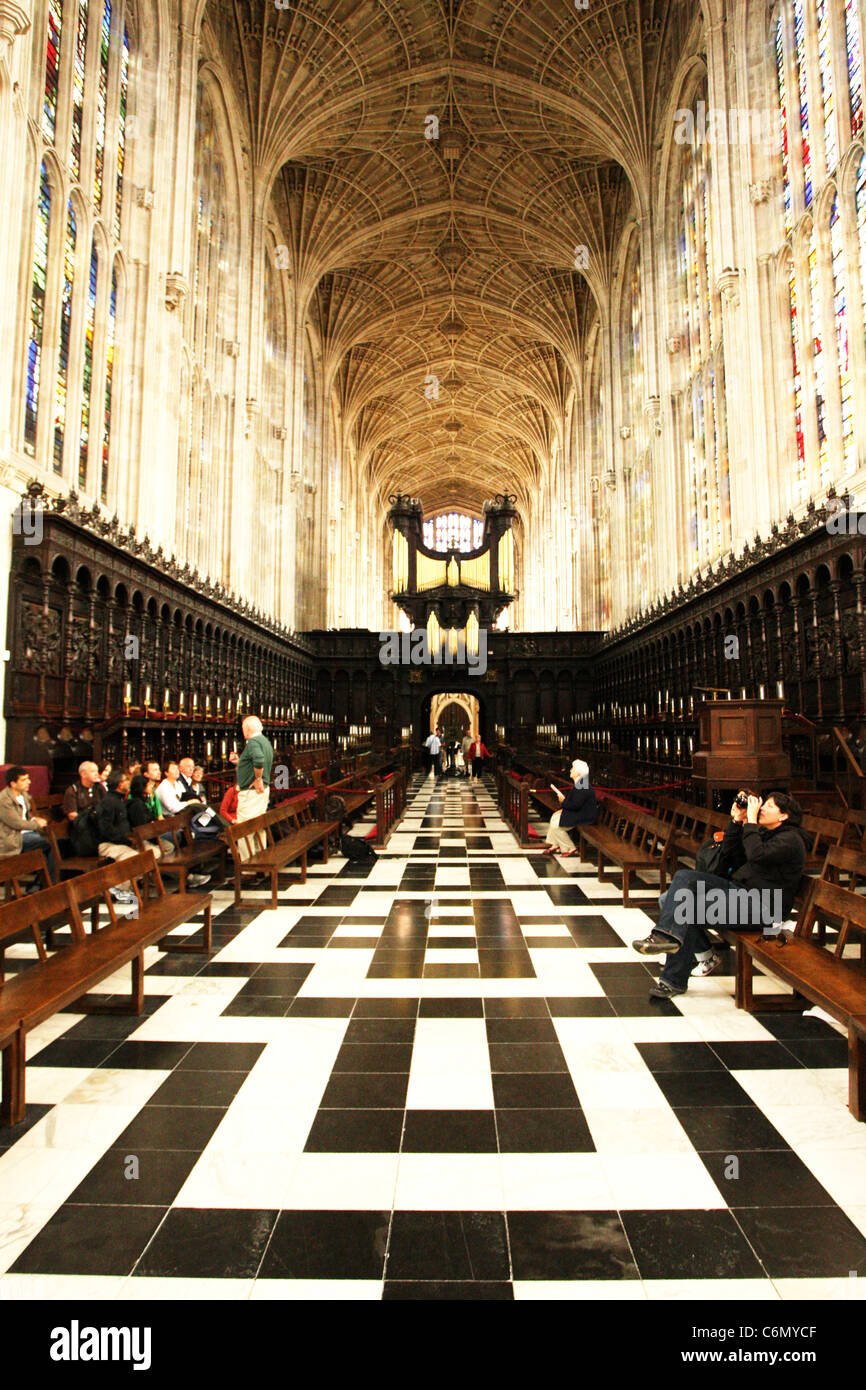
172, 793
20, 830
186, 787
764, 849
79, 801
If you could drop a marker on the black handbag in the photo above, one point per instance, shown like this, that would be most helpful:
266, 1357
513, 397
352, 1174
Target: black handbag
711, 858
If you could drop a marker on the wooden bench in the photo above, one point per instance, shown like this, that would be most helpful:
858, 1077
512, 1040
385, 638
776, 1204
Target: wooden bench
190, 854
633, 840
65, 860
44, 988
824, 834
692, 827
278, 838
815, 974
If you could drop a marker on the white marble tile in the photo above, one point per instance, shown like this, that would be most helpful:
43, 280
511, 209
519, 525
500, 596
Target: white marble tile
456, 1182
579, 1291
710, 1291
823, 1290
341, 1182
842, 1172
555, 1182
78, 1126
43, 1177
660, 1182
116, 1085
317, 1290
239, 1179
456, 1089
71, 1288
144, 1288
48, 1085
633, 1131
773, 1088
618, 1091
857, 1214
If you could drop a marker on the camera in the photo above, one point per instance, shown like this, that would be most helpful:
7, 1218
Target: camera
742, 800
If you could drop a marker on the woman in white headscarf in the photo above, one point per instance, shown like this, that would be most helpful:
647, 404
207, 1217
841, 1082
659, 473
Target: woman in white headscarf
578, 806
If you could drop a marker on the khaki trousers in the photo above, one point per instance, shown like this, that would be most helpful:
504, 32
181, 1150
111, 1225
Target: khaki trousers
555, 836
251, 804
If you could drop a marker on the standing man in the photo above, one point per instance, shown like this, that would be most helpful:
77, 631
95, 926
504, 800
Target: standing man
19, 829
432, 744
253, 774
465, 748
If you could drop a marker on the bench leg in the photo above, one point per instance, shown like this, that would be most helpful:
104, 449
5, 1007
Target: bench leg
137, 991
189, 943
12, 1103
237, 885
274, 873
856, 1074
304, 867
743, 986
325, 848
600, 868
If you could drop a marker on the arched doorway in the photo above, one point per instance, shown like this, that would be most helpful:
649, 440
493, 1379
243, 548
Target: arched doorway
456, 712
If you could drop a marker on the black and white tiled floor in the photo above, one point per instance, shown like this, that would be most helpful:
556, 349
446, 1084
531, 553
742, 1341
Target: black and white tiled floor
437, 1077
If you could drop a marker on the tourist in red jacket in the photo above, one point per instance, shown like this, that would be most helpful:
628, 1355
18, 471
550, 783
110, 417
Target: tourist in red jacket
477, 753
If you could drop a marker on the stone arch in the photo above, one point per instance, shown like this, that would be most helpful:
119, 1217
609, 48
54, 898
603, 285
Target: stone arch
468, 703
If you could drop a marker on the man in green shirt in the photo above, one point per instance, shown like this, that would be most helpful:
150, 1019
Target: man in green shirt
253, 775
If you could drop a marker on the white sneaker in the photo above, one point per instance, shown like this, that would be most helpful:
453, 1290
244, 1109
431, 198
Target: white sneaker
197, 880
122, 895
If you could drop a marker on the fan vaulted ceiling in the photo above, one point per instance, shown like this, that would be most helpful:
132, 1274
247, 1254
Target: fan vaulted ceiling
440, 274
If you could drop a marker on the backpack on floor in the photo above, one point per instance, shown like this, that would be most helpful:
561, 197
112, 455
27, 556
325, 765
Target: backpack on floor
359, 851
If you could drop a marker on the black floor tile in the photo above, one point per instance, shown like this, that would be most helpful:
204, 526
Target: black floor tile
386, 1008
527, 1057
149, 1056
453, 970
198, 1243
84, 1240
258, 1006
170, 1127
448, 1245
354, 1090
449, 1131
321, 1008
701, 1088
221, 1057
689, 1245
451, 1008
757, 1056
451, 1292
355, 1131
151, 1178
628, 978
9, 1134
396, 971
270, 986
792, 1025
521, 1030
327, 1245
729, 1129
337, 895
569, 1245
774, 1179
209, 1088
819, 1052
550, 943
804, 1242
638, 1006
587, 1007
191, 964
667, 1057
77, 1052
380, 1030
543, 1131
289, 972
229, 969
568, 895
99, 1026
534, 1091
593, 931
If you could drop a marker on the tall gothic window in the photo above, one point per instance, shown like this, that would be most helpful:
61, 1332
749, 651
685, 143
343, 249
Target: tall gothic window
206, 403
453, 531
599, 494
707, 485
74, 276
818, 45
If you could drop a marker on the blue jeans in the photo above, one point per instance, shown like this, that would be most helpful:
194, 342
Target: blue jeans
680, 908
31, 839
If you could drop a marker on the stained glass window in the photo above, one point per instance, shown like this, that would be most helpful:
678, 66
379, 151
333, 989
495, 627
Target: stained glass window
453, 531
800, 44
783, 107
860, 202
818, 360
61, 384
798, 381
123, 95
101, 102
78, 89
825, 72
87, 384
840, 316
37, 311
855, 66
52, 68
109, 374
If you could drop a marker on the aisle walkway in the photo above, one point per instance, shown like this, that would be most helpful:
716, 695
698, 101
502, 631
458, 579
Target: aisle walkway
440, 1076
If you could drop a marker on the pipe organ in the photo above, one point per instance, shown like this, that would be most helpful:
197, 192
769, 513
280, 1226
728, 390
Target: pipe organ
462, 591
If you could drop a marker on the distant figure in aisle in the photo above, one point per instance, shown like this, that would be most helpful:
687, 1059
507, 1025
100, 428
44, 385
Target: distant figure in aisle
432, 745
578, 806
477, 754
465, 747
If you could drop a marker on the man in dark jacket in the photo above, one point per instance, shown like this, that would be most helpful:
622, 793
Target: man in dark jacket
764, 853
112, 821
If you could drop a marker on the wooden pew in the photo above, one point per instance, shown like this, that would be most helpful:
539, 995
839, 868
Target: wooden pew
824, 834
815, 974
633, 840
44, 988
190, 855
277, 839
57, 832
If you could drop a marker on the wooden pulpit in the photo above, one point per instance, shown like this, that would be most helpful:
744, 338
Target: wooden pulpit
740, 746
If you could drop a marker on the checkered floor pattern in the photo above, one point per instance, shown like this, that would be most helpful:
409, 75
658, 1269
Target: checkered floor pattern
439, 1076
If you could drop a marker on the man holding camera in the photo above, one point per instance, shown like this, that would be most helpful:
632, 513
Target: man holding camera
764, 849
